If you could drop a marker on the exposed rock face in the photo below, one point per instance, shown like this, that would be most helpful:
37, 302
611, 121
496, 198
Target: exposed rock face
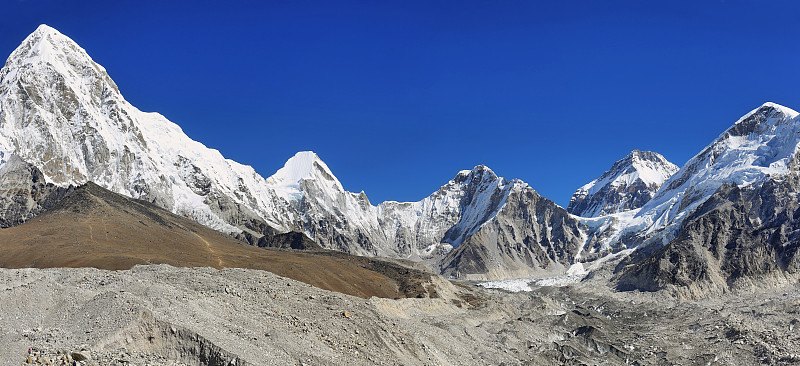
630, 183
738, 238
728, 220
94, 227
448, 216
529, 236
25, 193
758, 147
500, 228
290, 240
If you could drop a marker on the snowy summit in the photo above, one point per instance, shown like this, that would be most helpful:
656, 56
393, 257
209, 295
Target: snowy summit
630, 183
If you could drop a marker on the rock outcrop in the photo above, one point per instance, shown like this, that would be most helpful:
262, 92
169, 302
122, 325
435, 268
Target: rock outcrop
529, 236
739, 238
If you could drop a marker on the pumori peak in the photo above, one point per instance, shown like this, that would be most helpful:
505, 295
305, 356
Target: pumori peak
62, 114
47, 53
49, 45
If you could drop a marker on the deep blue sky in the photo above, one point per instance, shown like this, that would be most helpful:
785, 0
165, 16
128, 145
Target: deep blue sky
397, 97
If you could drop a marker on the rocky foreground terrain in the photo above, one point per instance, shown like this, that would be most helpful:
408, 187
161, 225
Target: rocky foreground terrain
163, 315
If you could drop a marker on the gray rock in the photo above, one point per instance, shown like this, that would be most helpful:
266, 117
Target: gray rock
740, 238
530, 235
81, 355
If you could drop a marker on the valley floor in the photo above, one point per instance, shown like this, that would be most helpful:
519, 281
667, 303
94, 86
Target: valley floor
160, 314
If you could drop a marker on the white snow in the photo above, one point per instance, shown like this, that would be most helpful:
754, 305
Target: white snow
516, 285
303, 165
575, 273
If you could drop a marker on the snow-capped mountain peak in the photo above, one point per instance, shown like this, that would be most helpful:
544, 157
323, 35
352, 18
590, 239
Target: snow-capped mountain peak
628, 185
45, 42
791, 113
302, 166
47, 47
476, 174
759, 144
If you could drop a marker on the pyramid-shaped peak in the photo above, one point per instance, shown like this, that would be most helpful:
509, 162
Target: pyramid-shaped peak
44, 29
766, 111
50, 36
763, 120
46, 53
49, 45
630, 183
303, 165
299, 166
651, 167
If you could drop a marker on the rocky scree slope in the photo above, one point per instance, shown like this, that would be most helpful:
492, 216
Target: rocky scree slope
630, 183
203, 316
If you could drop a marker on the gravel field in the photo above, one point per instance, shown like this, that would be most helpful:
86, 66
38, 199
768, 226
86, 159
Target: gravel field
163, 315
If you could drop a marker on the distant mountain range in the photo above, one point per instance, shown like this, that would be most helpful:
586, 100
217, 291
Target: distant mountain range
64, 123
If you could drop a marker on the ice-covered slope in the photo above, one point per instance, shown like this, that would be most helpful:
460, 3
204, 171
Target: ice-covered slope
62, 113
630, 183
757, 147
304, 165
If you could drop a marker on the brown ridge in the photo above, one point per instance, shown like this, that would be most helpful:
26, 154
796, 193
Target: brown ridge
93, 227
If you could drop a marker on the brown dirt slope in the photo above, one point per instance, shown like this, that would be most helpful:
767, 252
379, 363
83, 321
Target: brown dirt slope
93, 227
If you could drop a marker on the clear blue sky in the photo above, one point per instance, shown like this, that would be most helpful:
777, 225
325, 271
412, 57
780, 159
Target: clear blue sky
398, 96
